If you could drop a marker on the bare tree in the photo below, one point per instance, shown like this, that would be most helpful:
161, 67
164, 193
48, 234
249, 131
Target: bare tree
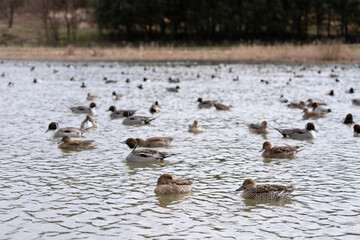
8, 8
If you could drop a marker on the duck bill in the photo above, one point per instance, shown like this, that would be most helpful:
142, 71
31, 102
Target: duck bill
240, 188
60, 142
123, 142
47, 130
263, 149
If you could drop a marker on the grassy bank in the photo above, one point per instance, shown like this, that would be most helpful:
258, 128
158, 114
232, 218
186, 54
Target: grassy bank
315, 53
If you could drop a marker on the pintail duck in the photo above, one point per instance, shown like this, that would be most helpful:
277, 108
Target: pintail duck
137, 120
196, 127
91, 97
143, 155
223, 107
109, 81
265, 191
154, 142
259, 128
120, 113
118, 96
356, 128
313, 114
317, 107
11, 84
175, 89
87, 110
278, 152
174, 80
297, 133
167, 185
155, 108
83, 85
61, 132
356, 101
299, 105
331, 93
349, 119
205, 104
310, 103
67, 144
283, 99
36, 80
89, 123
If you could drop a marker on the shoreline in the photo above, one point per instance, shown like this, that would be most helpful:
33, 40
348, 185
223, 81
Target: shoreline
282, 53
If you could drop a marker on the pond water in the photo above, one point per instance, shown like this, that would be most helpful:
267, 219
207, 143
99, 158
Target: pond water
46, 192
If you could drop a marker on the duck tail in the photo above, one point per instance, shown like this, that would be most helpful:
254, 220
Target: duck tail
152, 119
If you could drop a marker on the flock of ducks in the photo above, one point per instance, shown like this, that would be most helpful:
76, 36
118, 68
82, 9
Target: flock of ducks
166, 184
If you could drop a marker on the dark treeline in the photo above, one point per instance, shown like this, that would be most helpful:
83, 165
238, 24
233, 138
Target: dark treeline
227, 20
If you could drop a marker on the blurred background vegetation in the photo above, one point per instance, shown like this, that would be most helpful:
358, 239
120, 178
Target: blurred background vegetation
176, 22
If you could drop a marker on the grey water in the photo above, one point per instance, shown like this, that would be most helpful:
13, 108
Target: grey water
95, 194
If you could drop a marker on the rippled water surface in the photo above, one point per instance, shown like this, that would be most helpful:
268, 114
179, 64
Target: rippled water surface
45, 192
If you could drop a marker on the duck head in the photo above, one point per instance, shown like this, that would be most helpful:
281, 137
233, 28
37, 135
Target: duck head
248, 184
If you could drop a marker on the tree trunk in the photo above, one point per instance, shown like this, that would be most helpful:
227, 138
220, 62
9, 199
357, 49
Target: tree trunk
11, 15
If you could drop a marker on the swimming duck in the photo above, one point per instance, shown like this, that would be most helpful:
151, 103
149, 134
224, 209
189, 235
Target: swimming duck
137, 120
205, 104
310, 103
167, 185
349, 119
259, 128
356, 101
118, 96
196, 127
331, 93
222, 107
155, 108
278, 152
11, 84
351, 90
109, 81
120, 113
88, 123
283, 99
174, 80
91, 97
154, 142
87, 110
83, 85
175, 89
299, 105
265, 191
61, 132
313, 114
317, 107
67, 144
36, 80
356, 128
143, 155
297, 133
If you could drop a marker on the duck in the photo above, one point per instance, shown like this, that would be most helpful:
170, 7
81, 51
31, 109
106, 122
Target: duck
351, 90
259, 128
299, 105
356, 101
349, 119
356, 128
107, 81
89, 123
155, 108
61, 132
278, 152
137, 120
297, 133
87, 110
143, 155
222, 107
310, 102
67, 144
36, 80
118, 96
313, 114
331, 93
154, 142
205, 104
83, 85
317, 107
91, 97
196, 127
173, 80
175, 89
166, 184
120, 113
283, 99
11, 84
265, 191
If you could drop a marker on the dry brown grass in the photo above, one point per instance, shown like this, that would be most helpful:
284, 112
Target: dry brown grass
330, 52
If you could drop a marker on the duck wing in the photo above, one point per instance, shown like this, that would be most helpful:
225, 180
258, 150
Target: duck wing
288, 132
284, 149
255, 126
156, 139
182, 181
